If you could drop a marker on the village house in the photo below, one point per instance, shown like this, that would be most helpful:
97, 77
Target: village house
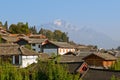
100, 74
100, 60
58, 48
36, 44
16, 55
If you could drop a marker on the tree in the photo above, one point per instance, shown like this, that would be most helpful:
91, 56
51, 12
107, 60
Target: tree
1, 24
0, 39
14, 29
20, 28
57, 35
64, 37
42, 31
49, 34
33, 30
24, 29
6, 25
116, 66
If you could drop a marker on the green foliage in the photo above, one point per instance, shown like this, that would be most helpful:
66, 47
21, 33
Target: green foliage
42, 31
20, 28
114, 78
56, 35
6, 25
51, 71
116, 66
1, 24
33, 30
0, 39
48, 70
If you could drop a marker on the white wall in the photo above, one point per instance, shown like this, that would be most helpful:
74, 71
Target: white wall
27, 60
62, 51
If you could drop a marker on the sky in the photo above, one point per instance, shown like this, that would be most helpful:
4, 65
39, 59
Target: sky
101, 15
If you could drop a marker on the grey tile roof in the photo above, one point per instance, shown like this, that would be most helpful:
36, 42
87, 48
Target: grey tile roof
27, 52
62, 44
14, 49
104, 56
9, 49
70, 58
72, 66
33, 40
100, 74
10, 39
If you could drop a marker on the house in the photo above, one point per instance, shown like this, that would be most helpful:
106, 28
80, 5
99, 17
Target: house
100, 74
35, 43
58, 48
100, 60
16, 55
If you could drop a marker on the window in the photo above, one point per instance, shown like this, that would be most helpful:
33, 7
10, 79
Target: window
84, 68
33, 49
33, 44
39, 46
17, 59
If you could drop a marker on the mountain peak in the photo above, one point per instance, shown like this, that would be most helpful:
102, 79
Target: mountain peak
85, 35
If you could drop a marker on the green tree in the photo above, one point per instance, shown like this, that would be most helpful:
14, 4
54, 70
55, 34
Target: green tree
33, 30
20, 28
14, 29
116, 66
57, 35
114, 78
1, 24
0, 39
49, 34
42, 31
24, 29
64, 37
6, 25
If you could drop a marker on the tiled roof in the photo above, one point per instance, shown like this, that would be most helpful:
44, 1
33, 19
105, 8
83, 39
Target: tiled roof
14, 49
9, 38
100, 74
63, 44
70, 58
27, 52
9, 49
44, 56
83, 54
72, 66
104, 56
33, 40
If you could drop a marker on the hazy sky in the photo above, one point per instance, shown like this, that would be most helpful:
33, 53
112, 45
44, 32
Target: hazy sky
101, 15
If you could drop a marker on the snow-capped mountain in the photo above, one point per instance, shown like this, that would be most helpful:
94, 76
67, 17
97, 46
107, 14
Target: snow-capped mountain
84, 35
